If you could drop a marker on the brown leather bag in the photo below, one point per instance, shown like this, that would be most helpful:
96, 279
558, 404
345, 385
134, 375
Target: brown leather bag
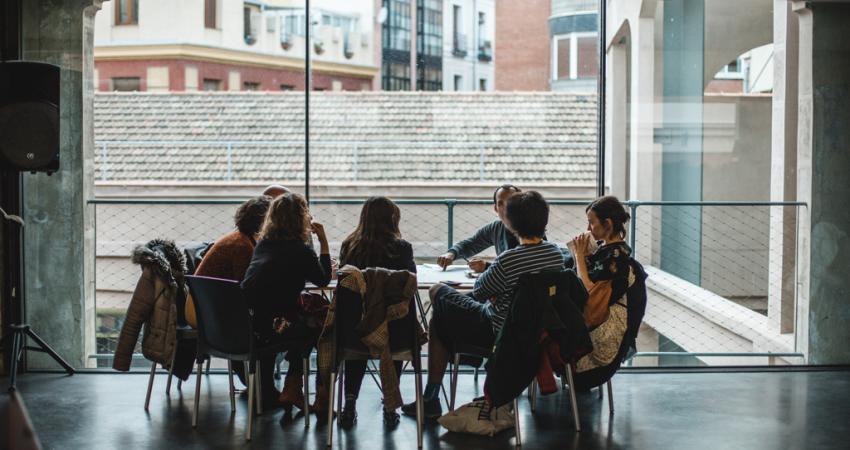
598, 298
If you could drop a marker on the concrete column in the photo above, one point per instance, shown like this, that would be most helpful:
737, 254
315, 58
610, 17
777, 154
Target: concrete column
682, 137
59, 232
617, 131
783, 172
823, 162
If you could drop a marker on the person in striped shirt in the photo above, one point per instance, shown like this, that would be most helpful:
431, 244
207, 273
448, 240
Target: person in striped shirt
476, 319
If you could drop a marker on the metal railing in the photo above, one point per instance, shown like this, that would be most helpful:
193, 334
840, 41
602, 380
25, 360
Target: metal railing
724, 273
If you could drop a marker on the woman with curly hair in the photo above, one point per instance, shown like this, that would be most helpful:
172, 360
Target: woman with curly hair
282, 264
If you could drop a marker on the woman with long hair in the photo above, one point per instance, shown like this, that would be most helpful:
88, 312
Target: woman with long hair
283, 262
376, 242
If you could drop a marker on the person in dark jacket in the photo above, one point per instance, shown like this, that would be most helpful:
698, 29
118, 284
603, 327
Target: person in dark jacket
281, 265
376, 242
493, 234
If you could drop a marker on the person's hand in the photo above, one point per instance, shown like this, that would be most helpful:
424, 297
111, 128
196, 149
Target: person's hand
445, 259
318, 229
580, 244
477, 265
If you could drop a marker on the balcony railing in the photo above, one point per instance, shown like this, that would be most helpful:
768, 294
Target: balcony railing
485, 51
459, 47
722, 274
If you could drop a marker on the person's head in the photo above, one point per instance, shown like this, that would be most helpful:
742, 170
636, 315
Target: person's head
500, 197
251, 214
527, 214
377, 228
275, 190
606, 219
288, 218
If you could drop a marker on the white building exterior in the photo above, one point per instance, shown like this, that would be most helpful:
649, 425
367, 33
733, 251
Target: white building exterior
267, 34
469, 43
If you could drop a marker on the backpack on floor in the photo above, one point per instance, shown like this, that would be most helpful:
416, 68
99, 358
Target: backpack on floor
479, 418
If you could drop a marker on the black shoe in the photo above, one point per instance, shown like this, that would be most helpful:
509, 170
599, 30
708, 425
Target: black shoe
432, 409
348, 417
391, 418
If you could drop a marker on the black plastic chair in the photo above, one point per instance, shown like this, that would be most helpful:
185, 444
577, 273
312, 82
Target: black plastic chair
225, 330
349, 348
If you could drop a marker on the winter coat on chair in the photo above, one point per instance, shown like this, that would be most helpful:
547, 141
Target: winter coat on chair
154, 305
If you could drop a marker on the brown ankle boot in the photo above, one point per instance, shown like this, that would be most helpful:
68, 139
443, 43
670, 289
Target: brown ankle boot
292, 393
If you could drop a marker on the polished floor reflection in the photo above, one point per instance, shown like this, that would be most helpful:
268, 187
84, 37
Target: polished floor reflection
702, 410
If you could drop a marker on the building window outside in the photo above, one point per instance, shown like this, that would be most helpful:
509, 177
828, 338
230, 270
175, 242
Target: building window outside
482, 85
458, 38
575, 56
210, 19
287, 87
127, 12
429, 79
251, 86
396, 29
458, 83
429, 28
251, 23
127, 84
395, 77
212, 84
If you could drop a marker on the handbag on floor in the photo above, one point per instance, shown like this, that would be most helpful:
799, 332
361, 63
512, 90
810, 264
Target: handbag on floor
478, 417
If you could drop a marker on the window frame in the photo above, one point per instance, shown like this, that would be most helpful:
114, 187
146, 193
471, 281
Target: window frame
574, 59
211, 14
132, 12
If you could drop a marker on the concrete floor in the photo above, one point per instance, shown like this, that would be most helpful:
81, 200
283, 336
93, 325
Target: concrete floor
696, 410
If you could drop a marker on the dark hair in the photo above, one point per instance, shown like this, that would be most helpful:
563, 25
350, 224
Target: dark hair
251, 214
371, 242
287, 219
505, 186
528, 214
609, 207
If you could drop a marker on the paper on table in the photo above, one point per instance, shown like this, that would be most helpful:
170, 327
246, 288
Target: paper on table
451, 268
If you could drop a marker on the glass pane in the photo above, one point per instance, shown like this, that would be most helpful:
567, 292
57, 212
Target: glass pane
690, 105
201, 145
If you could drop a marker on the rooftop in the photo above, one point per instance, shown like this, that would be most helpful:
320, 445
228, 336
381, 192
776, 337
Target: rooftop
400, 137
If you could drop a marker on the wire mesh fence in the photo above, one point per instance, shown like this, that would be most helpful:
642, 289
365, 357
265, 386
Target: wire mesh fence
722, 276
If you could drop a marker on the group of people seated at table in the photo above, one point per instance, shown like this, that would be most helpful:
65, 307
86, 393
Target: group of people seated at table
272, 254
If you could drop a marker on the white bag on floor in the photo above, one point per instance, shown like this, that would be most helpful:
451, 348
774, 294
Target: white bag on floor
469, 419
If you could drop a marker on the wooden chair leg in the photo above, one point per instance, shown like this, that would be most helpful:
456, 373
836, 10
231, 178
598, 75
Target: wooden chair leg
232, 388
516, 424
330, 424
251, 393
573, 401
453, 387
150, 386
306, 364
197, 393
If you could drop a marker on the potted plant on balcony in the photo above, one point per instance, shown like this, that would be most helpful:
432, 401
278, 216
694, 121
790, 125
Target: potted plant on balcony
318, 47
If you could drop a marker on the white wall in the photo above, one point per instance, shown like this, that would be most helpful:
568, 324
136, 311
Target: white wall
469, 67
182, 22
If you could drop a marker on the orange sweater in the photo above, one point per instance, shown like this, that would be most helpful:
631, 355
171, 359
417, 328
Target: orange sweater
228, 258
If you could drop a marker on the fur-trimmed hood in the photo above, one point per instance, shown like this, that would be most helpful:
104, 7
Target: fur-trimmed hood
163, 257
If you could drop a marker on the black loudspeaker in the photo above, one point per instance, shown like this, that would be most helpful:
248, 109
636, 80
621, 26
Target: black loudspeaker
29, 116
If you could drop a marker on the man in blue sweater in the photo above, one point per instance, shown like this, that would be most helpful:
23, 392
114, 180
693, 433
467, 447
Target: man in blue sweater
477, 319
493, 234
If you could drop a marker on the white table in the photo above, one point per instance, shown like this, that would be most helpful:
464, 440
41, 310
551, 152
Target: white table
427, 275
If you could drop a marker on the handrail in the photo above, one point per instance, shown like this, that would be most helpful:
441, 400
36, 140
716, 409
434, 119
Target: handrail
447, 201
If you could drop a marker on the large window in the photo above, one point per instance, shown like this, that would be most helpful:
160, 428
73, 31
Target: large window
210, 13
126, 12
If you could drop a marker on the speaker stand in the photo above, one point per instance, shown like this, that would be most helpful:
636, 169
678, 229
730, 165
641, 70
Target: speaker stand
18, 335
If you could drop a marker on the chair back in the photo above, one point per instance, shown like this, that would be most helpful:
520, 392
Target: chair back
224, 320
